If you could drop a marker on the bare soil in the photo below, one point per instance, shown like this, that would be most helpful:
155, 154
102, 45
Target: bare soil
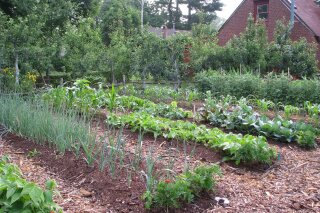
291, 184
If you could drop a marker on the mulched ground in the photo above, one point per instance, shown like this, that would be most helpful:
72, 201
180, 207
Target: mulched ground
291, 184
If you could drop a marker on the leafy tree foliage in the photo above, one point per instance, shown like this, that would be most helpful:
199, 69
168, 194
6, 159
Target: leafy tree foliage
169, 12
119, 56
48, 36
87, 8
83, 48
204, 11
149, 57
118, 15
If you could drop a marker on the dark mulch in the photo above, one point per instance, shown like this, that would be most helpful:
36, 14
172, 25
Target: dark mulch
110, 192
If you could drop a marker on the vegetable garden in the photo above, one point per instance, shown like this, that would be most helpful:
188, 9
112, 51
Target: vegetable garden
161, 156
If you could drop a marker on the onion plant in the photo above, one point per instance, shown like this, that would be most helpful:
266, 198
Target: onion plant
37, 121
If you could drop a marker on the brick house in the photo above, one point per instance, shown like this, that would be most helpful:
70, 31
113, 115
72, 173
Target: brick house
307, 19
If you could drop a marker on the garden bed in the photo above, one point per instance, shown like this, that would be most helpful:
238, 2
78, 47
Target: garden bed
291, 184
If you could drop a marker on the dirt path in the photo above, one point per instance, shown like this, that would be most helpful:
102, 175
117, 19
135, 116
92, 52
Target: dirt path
291, 184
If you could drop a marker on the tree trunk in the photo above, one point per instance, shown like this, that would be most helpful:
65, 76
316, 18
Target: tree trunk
189, 16
178, 81
142, 8
16, 64
170, 14
144, 79
124, 84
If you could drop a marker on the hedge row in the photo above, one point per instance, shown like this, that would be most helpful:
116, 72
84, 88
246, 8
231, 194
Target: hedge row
277, 88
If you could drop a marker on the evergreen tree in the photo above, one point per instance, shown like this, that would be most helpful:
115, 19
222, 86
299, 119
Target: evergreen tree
204, 11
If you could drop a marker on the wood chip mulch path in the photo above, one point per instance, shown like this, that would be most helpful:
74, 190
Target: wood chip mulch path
292, 184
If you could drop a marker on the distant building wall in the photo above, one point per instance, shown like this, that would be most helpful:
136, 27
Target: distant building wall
277, 11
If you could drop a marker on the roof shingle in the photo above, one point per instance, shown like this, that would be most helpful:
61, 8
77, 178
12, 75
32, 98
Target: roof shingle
309, 13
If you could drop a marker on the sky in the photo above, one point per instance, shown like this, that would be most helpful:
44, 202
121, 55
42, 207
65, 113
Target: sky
229, 7
227, 10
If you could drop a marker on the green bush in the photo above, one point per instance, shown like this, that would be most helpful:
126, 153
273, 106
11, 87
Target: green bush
251, 49
186, 186
19, 195
276, 88
306, 139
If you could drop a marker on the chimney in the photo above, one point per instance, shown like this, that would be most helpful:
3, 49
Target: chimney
164, 31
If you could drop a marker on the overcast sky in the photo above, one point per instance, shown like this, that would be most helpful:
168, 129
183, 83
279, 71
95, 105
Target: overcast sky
229, 7
227, 10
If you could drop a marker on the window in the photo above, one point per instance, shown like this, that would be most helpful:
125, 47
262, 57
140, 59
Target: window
261, 10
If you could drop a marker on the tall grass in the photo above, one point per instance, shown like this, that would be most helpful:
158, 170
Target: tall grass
32, 119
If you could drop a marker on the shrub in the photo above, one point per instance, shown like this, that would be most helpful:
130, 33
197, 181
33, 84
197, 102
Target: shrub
276, 88
19, 195
251, 49
307, 139
186, 186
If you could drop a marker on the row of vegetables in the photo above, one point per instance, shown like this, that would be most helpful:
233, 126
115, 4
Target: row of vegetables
241, 116
241, 149
226, 112
87, 99
169, 121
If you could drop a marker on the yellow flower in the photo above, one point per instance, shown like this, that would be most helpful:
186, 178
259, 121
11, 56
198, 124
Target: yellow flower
8, 71
32, 76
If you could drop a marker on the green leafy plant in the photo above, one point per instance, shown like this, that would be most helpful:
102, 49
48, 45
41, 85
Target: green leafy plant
112, 99
306, 139
275, 88
231, 144
290, 110
183, 189
19, 195
238, 114
264, 105
33, 153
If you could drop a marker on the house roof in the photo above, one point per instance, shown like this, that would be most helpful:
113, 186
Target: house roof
309, 13
232, 14
306, 10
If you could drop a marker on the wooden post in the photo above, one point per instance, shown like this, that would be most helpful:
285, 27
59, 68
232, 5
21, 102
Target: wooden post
124, 84
17, 73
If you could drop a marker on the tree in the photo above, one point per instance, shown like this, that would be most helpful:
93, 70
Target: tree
119, 15
21, 39
177, 46
119, 56
83, 47
87, 8
164, 12
204, 11
203, 47
249, 48
297, 57
3, 33
149, 57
